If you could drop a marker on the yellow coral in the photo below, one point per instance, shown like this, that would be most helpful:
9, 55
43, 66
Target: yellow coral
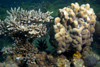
77, 54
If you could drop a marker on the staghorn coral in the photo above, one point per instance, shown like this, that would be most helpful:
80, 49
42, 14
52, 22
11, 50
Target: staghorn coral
74, 27
23, 23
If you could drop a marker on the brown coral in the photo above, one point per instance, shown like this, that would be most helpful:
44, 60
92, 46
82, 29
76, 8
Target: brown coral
9, 63
78, 24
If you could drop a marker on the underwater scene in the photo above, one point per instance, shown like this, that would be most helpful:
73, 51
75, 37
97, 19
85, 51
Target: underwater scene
49, 33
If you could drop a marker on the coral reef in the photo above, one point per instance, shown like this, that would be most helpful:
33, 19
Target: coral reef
29, 23
9, 63
74, 27
33, 58
90, 52
21, 52
62, 62
72, 36
78, 63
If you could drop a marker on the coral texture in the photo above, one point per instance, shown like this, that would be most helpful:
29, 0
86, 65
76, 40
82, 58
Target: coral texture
9, 63
74, 27
21, 52
33, 58
77, 55
90, 61
78, 62
28, 23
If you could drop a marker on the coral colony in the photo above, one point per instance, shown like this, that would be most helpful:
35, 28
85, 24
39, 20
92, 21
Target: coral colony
74, 28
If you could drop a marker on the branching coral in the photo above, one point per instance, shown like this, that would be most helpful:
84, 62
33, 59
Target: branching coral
74, 27
25, 23
21, 52
32, 57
